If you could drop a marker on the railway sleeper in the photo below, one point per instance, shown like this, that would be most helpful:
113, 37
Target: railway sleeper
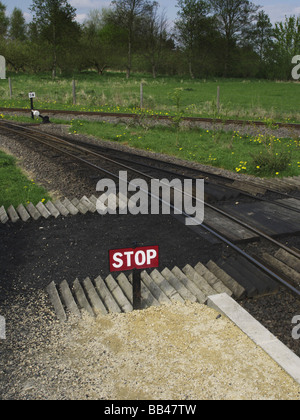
194, 284
290, 273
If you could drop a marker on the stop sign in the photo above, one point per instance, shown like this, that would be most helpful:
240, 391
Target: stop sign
134, 258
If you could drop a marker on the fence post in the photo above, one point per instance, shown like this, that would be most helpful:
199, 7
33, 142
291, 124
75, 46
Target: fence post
218, 99
10, 87
142, 95
74, 92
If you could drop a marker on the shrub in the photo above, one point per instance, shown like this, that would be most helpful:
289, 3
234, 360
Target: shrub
269, 162
272, 159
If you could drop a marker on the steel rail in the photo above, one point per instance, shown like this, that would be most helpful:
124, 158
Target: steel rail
199, 171
249, 182
216, 209
225, 186
272, 190
213, 175
271, 273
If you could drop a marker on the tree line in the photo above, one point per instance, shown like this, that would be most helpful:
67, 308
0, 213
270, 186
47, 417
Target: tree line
209, 38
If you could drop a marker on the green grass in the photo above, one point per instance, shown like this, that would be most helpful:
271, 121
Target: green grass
112, 92
265, 156
15, 187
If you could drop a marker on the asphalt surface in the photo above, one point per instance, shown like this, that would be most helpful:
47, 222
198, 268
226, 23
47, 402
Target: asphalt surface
36, 253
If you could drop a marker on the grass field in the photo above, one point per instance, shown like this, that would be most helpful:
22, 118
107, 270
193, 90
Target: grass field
15, 187
265, 156
244, 99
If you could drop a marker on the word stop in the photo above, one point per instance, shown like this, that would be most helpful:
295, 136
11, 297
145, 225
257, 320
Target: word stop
129, 259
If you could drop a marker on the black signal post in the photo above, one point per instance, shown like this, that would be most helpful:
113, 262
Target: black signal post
31, 97
137, 289
136, 286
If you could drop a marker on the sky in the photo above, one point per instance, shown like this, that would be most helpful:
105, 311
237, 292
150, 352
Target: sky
277, 10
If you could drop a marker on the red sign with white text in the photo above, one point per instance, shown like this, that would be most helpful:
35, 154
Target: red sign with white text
138, 258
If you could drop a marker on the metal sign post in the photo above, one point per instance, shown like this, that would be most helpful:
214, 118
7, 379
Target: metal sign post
136, 286
136, 290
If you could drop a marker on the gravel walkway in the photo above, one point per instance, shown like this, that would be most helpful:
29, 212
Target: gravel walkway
177, 352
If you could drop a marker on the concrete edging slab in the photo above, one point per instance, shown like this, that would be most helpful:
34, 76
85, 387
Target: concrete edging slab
281, 354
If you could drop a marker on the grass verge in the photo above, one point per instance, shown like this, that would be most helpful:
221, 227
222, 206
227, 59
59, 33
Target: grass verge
259, 155
15, 187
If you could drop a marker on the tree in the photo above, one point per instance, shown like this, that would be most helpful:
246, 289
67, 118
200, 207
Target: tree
101, 41
54, 21
263, 33
91, 40
127, 14
192, 27
236, 18
18, 27
255, 46
287, 35
286, 45
4, 20
155, 38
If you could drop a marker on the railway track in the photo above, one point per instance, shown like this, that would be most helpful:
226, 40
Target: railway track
217, 218
219, 187
295, 126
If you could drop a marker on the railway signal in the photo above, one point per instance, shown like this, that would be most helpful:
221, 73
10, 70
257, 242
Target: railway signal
31, 97
35, 113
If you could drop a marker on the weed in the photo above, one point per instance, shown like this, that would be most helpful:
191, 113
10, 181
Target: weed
271, 159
